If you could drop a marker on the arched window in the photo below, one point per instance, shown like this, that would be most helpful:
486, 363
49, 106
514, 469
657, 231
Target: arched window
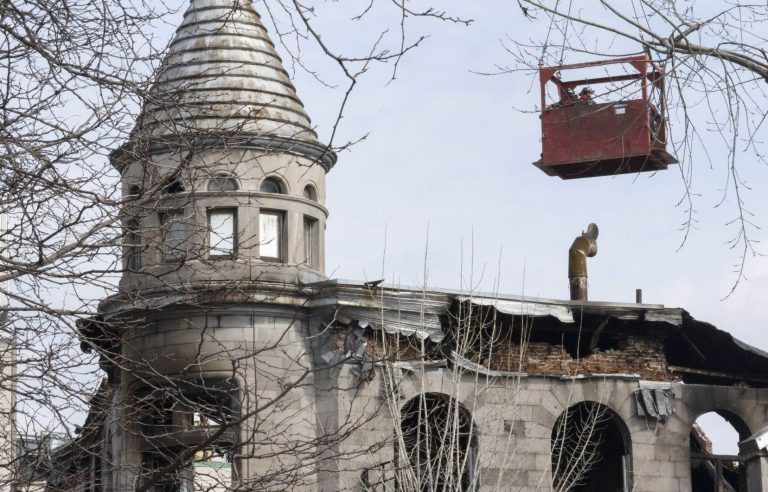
439, 440
174, 186
715, 460
187, 413
310, 193
222, 183
134, 191
272, 185
590, 450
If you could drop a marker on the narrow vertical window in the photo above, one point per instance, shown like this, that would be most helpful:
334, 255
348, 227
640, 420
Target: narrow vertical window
311, 243
132, 244
174, 232
271, 235
222, 232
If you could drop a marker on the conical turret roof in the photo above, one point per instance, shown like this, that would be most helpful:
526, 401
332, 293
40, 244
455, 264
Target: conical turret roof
222, 76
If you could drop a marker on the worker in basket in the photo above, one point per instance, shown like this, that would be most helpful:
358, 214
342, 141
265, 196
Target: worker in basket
656, 121
586, 96
569, 98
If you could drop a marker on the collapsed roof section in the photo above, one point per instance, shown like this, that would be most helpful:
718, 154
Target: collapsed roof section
407, 312
511, 334
598, 337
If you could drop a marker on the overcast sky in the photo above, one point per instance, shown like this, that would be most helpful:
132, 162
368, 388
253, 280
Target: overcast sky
448, 156
450, 152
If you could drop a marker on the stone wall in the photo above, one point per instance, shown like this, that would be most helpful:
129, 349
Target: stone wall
515, 418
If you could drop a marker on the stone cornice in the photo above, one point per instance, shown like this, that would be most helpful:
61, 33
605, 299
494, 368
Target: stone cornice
141, 149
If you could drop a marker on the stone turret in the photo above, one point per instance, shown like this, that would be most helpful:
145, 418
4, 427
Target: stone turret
229, 171
224, 184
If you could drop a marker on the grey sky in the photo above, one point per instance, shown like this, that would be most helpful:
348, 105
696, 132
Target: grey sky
450, 151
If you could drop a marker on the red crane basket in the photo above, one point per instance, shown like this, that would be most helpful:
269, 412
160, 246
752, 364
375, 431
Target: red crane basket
584, 139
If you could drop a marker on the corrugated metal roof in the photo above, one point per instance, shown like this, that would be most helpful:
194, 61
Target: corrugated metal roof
222, 75
524, 308
416, 311
395, 320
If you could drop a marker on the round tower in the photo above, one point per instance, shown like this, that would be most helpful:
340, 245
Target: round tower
228, 173
224, 188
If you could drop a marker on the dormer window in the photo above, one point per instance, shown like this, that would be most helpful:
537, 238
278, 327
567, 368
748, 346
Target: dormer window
222, 183
310, 193
272, 185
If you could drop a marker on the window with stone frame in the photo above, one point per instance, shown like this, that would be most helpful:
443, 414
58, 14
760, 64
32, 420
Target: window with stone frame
310, 193
311, 242
271, 235
174, 229
590, 450
132, 244
222, 183
222, 232
272, 185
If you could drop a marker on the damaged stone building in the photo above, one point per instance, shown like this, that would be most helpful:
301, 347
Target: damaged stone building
231, 362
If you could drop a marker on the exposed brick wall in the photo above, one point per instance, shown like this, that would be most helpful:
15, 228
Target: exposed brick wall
385, 346
633, 355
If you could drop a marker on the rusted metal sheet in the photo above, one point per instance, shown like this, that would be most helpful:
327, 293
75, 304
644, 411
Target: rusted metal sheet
583, 133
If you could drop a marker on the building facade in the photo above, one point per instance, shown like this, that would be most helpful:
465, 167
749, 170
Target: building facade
232, 363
